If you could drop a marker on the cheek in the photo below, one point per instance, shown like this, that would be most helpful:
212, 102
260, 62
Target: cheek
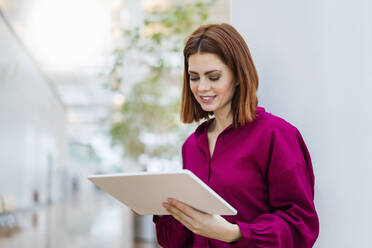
227, 90
232, 91
193, 88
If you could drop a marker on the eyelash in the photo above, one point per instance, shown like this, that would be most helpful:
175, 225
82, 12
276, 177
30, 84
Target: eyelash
211, 78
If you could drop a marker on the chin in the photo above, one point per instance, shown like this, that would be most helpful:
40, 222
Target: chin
208, 109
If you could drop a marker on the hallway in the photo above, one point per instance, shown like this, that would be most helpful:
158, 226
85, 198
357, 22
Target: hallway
85, 220
72, 106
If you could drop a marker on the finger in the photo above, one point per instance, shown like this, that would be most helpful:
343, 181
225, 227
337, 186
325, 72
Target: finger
178, 214
186, 209
182, 221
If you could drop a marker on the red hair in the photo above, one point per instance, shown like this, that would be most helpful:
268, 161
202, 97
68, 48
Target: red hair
224, 41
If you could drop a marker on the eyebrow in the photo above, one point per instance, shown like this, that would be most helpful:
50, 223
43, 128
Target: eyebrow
207, 72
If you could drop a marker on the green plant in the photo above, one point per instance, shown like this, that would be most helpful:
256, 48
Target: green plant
151, 106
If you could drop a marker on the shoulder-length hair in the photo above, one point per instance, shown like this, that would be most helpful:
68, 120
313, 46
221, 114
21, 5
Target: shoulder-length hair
224, 41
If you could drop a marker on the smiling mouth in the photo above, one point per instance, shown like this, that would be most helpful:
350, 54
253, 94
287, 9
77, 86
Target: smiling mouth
207, 99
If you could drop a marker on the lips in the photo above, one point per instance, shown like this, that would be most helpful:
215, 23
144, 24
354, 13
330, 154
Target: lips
207, 99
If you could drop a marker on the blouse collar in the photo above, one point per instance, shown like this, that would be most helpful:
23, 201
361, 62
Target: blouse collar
201, 131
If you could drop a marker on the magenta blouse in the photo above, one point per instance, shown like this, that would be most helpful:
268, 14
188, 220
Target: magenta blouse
264, 170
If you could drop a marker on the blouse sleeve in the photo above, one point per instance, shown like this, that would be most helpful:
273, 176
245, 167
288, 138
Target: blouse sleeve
169, 231
293, 221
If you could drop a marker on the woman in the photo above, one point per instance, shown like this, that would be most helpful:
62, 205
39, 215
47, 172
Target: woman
256, 161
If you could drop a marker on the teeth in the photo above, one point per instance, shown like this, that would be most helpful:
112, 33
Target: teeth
207, 97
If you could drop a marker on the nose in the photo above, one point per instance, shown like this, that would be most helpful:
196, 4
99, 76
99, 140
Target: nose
204, 85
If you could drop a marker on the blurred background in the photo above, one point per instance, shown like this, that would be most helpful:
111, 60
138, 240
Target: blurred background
93, 86
88, 87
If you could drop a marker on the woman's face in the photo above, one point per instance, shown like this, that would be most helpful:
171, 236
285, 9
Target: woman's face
211, 82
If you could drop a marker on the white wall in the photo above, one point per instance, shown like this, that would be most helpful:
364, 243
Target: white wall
314, 63
32, 126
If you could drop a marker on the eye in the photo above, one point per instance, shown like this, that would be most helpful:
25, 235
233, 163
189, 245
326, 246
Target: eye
214, 78
194, 79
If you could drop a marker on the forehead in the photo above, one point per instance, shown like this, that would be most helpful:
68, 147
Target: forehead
201, 62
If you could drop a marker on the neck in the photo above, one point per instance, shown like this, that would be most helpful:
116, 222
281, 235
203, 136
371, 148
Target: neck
222, 120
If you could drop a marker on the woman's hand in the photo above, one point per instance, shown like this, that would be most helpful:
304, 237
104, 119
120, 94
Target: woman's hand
211, 226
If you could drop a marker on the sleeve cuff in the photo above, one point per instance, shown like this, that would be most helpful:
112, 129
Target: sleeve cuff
246, 232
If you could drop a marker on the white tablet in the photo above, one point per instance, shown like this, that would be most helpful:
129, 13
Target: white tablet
145, 192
